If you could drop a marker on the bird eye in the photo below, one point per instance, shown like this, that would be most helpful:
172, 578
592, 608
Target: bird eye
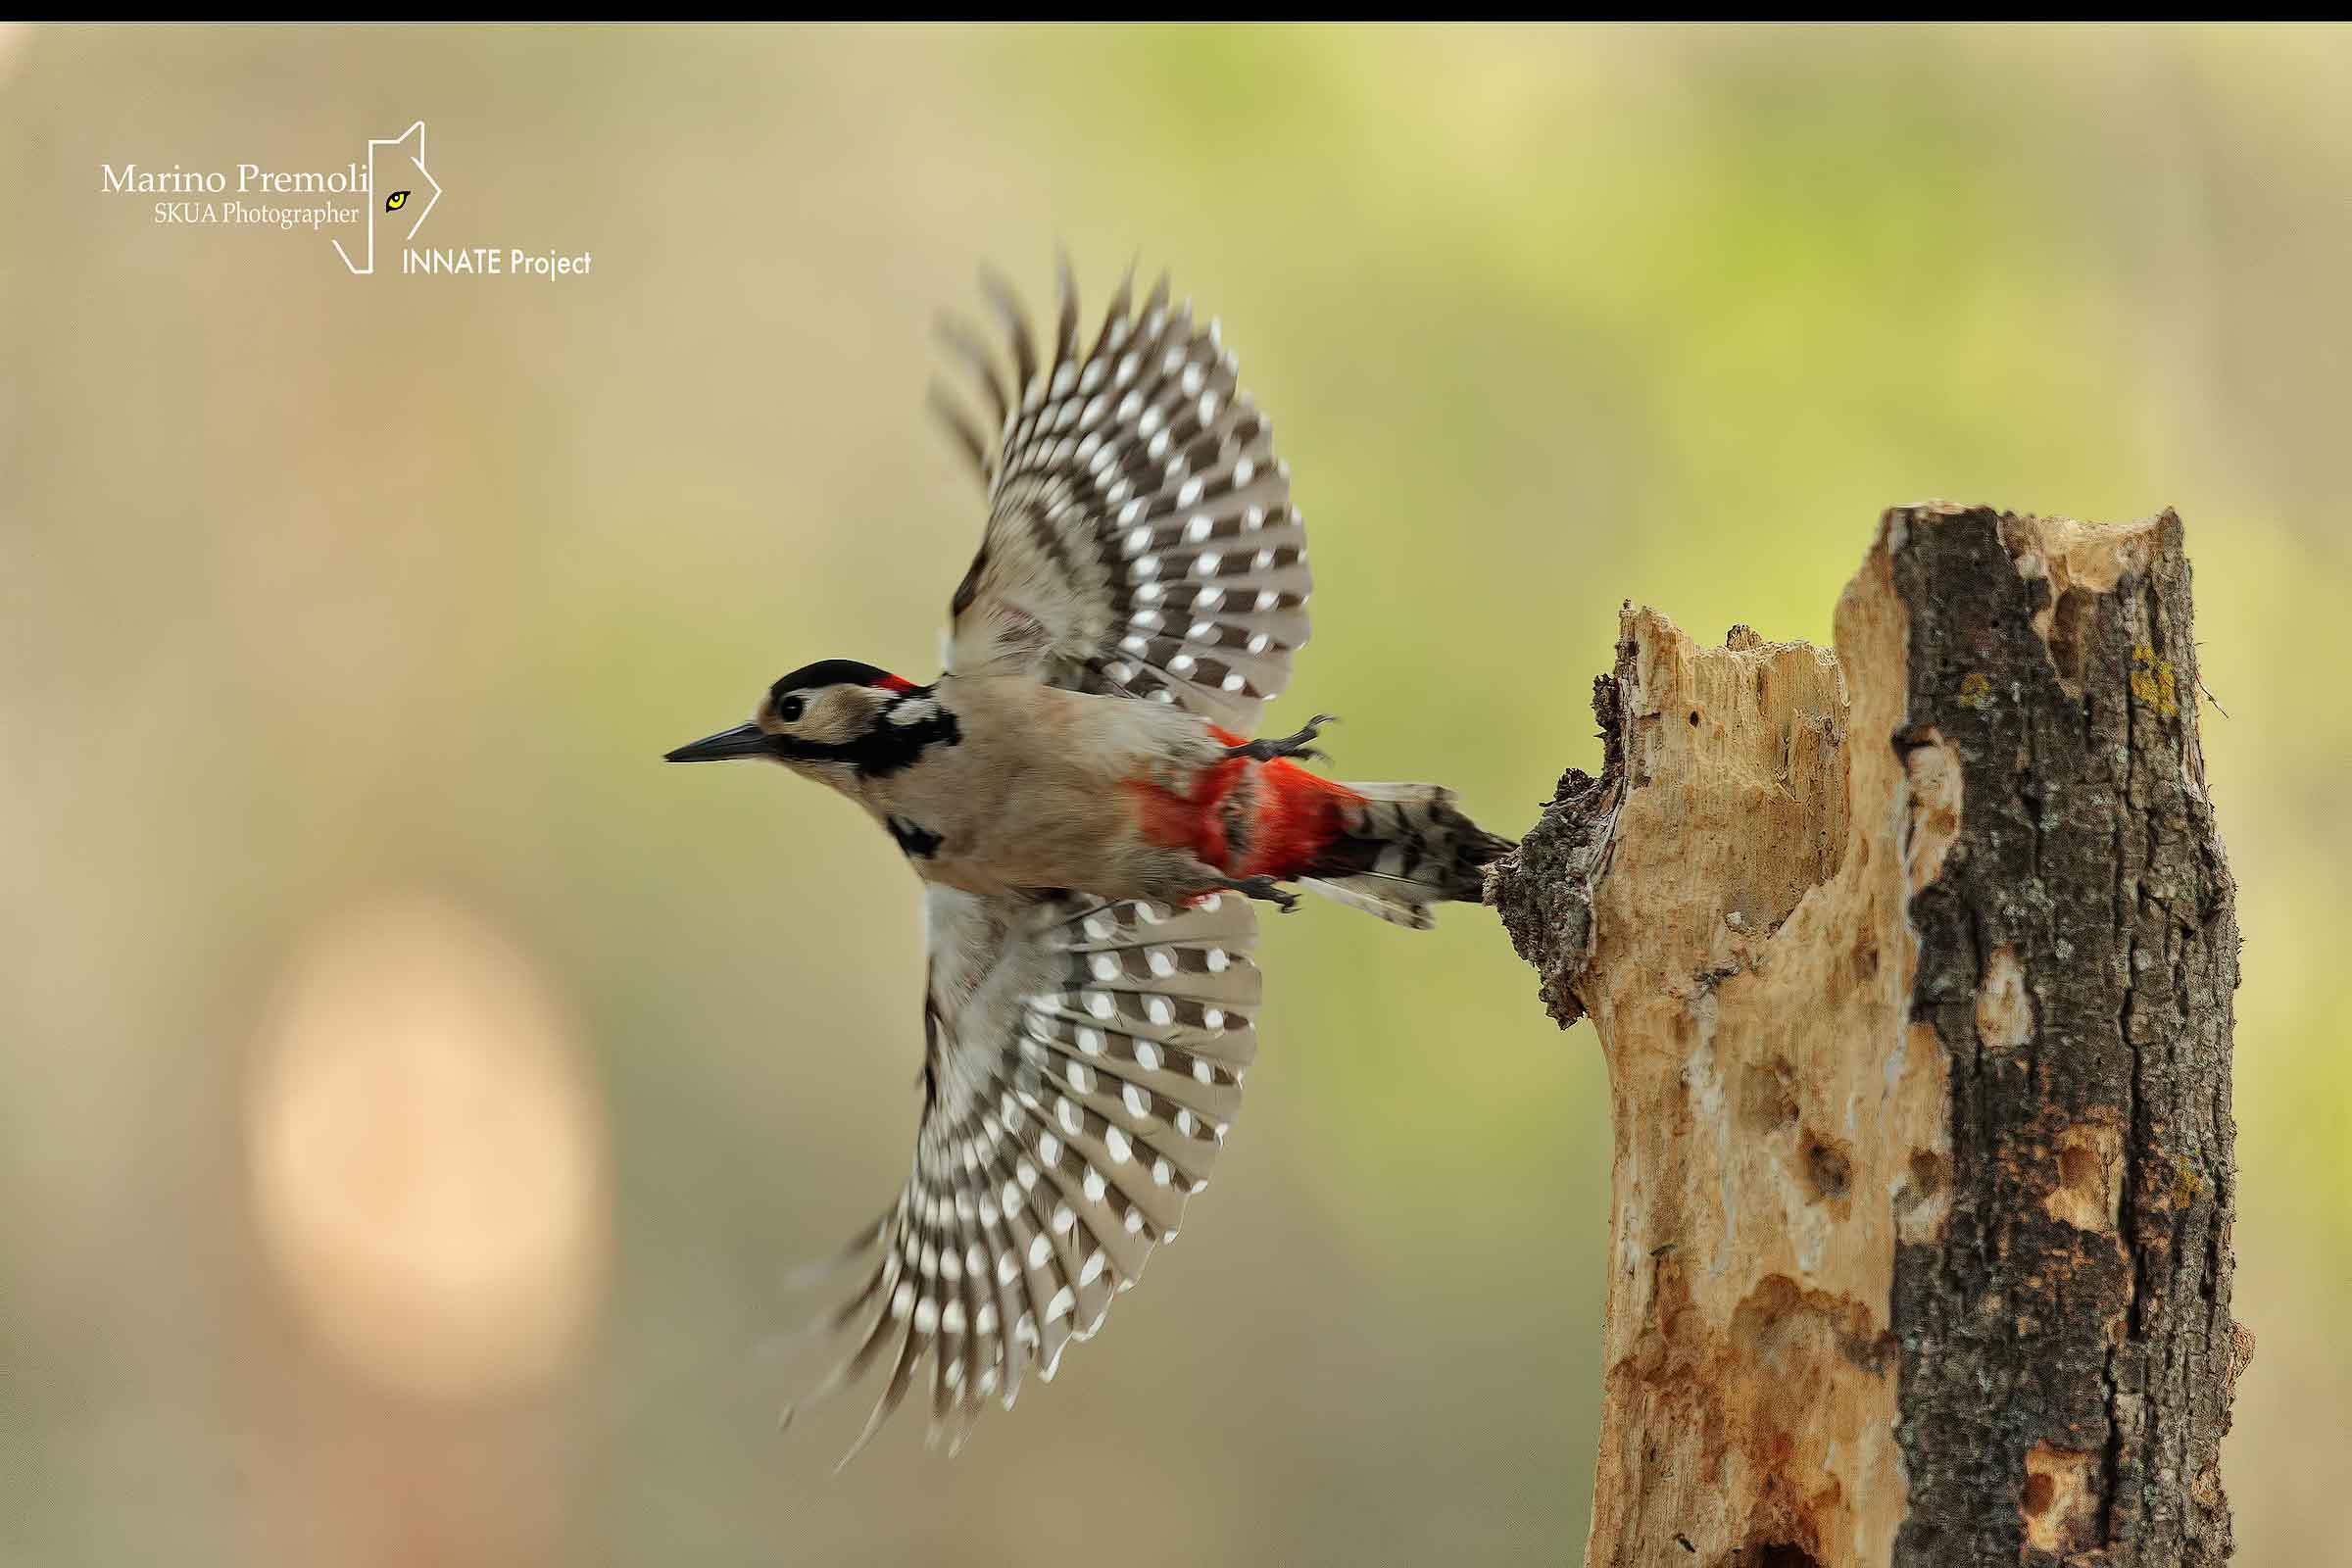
788, 710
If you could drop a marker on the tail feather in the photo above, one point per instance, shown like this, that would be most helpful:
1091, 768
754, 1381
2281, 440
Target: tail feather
1401, 848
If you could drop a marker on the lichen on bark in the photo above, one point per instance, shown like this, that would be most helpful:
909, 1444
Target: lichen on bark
2078, 1301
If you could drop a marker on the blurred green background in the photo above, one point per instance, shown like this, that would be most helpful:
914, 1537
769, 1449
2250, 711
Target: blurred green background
412, 1094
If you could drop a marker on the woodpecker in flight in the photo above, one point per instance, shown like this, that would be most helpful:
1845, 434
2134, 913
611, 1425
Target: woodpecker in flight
1091, 823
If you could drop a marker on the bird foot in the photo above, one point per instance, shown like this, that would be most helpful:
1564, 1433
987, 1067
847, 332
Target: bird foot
1261, 887
1286, 746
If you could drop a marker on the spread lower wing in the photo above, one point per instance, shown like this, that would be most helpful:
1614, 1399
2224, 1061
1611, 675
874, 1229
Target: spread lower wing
1141, 537
1082, 1061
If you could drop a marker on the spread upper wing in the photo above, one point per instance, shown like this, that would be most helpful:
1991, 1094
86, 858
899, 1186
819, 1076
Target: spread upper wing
1082, 1061
1141, 537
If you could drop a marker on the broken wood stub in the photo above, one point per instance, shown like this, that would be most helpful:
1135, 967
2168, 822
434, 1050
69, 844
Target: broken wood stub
1913, 971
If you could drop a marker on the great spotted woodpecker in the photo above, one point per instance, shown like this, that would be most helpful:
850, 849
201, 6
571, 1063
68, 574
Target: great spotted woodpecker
1078, 798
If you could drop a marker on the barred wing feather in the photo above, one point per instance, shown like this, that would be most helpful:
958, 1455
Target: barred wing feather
1083, 1061
1141, 537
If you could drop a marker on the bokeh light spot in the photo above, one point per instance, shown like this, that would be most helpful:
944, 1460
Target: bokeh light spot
426, 1161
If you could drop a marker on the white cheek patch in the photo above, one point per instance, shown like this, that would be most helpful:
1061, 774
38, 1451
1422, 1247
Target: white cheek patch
914, 711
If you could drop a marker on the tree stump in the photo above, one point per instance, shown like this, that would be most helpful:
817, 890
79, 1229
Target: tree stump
1913, 970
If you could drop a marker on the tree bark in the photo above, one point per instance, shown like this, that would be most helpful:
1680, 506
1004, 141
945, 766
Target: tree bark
1913, 969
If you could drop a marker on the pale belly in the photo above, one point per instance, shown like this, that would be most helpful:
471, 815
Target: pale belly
1042, 791
1003, 831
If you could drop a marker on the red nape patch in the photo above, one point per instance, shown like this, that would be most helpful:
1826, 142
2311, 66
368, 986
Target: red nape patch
896, 683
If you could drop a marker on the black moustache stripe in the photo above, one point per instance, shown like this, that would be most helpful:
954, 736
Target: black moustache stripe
883, 750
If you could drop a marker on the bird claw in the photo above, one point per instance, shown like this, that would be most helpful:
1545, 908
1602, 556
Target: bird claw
1264, 887
1266, 750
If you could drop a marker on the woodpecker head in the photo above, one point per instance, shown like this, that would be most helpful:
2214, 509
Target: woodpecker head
835, 721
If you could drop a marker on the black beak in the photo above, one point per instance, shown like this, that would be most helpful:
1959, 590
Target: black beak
744, 740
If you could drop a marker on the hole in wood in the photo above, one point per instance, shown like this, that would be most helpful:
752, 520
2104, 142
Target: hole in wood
2077, 1168
1827, 1168
1922, 1197
1924, 1181
1931, 766
2059, 1502
1774, 1555
2090, 1177
2074, 632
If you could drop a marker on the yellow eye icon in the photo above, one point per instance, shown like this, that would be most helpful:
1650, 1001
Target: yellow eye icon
396, 201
